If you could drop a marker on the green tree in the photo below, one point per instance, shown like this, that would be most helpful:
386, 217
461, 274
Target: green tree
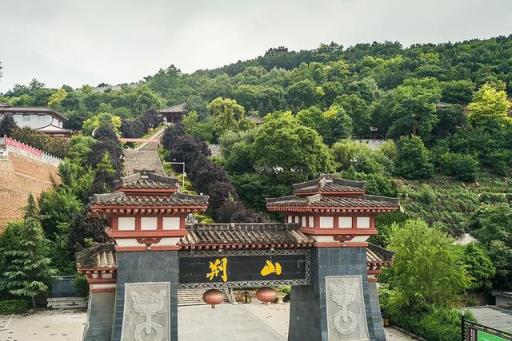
28, 271
302, 94
57, 208
414, 160
491, 225
227, 115
57, 98
457, 91
408, 109
311, 117
489, 103
336, 124
96, 121
359, 111
428, 269
479, 266
7, 126
285, 148
105, 174
31, 210
356, 156
193, 126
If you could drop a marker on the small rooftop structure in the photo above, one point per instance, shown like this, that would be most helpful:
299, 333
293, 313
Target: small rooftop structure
173, 114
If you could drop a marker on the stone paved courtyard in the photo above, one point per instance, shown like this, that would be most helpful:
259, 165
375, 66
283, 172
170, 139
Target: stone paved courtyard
244, 322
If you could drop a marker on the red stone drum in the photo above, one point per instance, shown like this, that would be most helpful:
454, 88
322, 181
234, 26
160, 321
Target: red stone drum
213, 297
266, 295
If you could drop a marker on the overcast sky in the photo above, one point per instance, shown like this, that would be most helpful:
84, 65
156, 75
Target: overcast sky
114, 41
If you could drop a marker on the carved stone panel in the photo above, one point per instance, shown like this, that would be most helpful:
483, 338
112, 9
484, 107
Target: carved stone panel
346, 315
146, 314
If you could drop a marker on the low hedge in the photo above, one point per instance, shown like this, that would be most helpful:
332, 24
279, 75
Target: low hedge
435, 325
13, 306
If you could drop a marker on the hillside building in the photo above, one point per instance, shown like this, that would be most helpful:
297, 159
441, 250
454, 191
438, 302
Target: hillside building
45, 120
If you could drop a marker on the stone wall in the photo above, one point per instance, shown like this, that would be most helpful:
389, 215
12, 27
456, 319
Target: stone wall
20, 176
100, 314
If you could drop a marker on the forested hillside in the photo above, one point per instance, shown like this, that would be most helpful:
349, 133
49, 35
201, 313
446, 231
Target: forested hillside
441, 129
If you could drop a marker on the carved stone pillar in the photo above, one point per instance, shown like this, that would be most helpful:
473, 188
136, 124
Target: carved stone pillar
339, 304
146, 285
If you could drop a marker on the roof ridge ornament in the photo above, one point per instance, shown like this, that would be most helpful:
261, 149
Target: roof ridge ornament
314, 198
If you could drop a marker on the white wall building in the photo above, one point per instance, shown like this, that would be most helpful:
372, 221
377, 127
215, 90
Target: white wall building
43, 119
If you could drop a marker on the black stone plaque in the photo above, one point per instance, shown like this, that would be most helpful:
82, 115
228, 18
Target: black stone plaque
236, 269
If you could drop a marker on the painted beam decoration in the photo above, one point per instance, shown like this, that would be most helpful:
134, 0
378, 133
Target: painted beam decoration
212, 269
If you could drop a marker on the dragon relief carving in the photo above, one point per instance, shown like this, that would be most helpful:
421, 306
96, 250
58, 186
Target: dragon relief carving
147, 305
345, 321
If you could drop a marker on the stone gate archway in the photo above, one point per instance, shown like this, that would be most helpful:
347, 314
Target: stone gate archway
320, 250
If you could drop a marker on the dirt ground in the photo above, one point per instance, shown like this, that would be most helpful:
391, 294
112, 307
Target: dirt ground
256, 322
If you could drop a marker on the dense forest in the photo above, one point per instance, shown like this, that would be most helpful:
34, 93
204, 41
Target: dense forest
438, 117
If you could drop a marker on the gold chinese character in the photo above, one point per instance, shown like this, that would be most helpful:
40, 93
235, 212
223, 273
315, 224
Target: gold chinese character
271, 268
216, 267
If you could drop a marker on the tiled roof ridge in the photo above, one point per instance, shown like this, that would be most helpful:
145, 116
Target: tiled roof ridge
382, 253
35, 110
243, 226
104, 196
380, 198
177, 107
150, 175
84, 257
326, 178
284, 198
191, 196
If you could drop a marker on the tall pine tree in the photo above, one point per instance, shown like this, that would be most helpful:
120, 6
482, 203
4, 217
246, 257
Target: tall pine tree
28, 270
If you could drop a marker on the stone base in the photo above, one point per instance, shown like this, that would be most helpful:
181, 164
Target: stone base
100, 314
346, 272
152, 267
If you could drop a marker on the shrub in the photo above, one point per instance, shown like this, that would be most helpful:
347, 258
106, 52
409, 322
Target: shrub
440, 325
464, 167
13, 306
414, 159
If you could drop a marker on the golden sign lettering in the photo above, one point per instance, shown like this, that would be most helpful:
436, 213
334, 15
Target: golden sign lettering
219, 266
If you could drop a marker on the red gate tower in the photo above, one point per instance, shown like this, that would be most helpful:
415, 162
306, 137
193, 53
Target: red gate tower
147, 212
340, 217
147, 220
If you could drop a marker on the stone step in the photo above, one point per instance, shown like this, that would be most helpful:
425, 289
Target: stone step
67, 302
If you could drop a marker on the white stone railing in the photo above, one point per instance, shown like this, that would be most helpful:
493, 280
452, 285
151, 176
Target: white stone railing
15, 147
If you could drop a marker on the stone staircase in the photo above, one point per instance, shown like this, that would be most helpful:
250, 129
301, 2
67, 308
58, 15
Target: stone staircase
145, 157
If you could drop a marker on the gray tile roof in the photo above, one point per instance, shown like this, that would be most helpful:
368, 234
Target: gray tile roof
329, 184
319, 200
277, 235
145, 179
100, 256
175, 199
175, 108
375, 253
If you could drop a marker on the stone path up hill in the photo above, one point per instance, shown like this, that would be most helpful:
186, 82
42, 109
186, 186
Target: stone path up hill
23, 170
144, 157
